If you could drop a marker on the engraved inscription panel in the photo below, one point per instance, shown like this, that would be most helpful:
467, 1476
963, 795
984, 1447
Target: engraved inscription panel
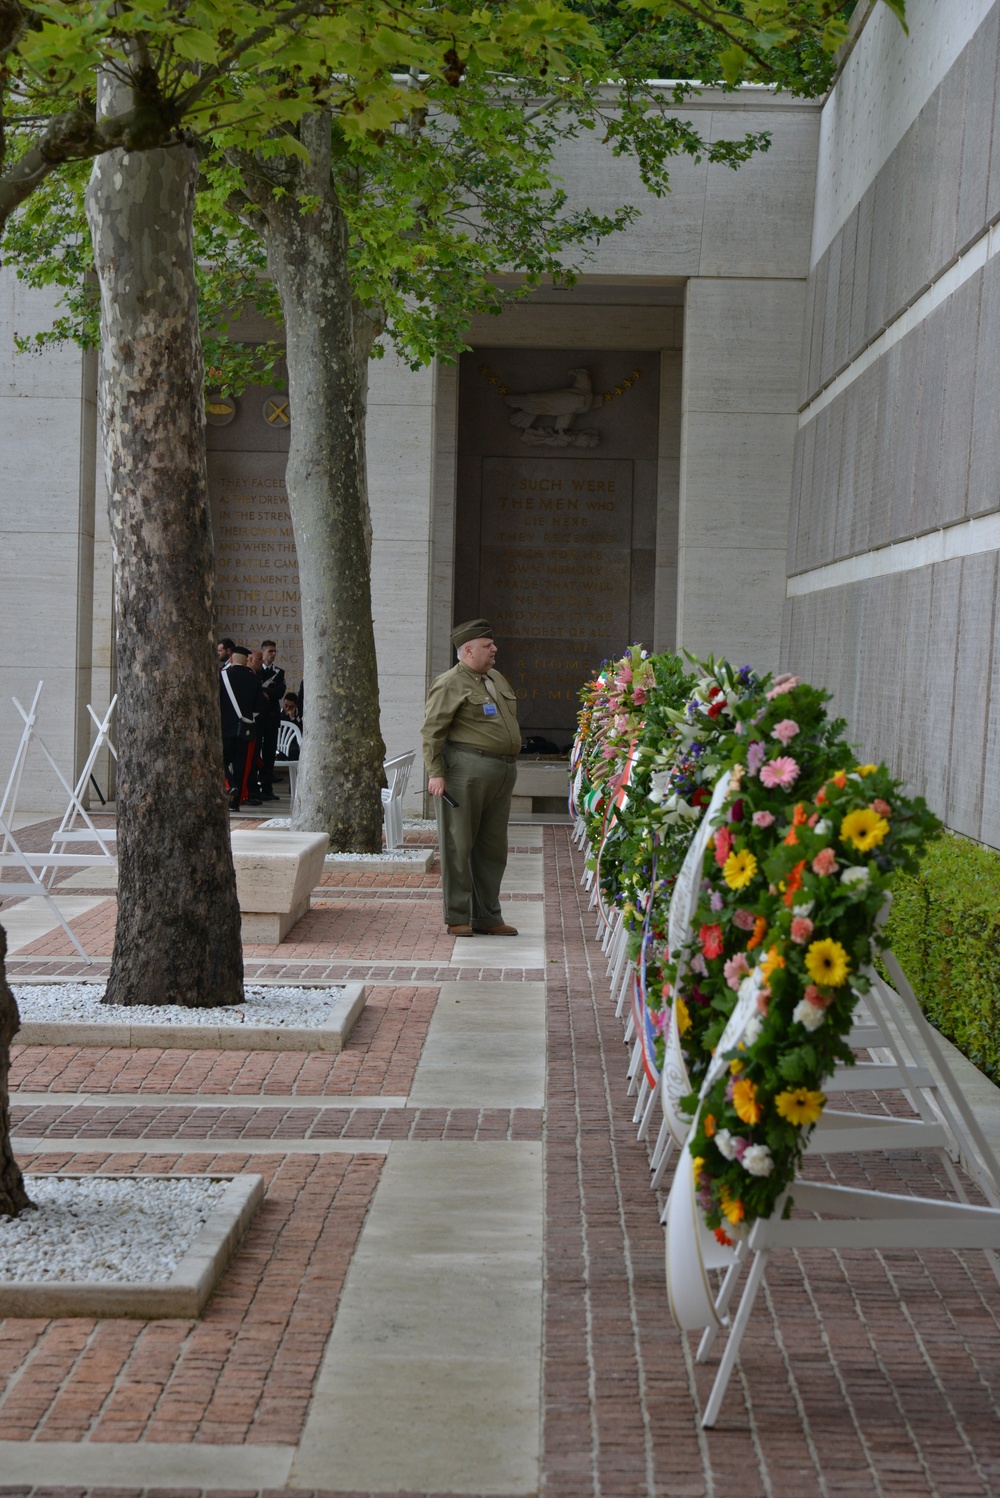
555, 562
256, 569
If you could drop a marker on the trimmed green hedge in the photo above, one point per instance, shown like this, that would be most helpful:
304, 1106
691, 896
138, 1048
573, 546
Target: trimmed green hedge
945, 930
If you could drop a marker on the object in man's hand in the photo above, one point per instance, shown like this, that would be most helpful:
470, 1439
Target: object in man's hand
450, 799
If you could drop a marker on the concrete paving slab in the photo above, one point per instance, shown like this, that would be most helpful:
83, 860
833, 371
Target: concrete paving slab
527, 949
131, 1464
523, 875
101, 876
485, 1047
33, 918
439, 1322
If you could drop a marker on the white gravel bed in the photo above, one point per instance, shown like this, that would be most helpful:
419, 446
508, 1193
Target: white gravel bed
301, 1008
106, 1230
399, 855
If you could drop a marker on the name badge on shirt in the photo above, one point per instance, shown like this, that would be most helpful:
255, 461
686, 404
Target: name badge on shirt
490, 709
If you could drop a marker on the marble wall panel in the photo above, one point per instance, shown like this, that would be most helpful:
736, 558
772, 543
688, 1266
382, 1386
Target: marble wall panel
845, 293
984, 464
960, 366
581, 326
665, 609
808, 333
758, 221
39, 462
934, 692
862, 271
980, 95
909, 657
400, 455
990, 698
966, 761
806, 442
880, 458
796, 502
834, 290
57, 370
868, 400
920, 205
948, 165
878, 277
830, 494
895, 246
737, 480
992, 208
815, 555
930, 423
820, 276
745, 336
847, 473
730, 603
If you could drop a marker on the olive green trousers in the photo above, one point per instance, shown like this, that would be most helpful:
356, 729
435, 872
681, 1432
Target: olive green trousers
473, 836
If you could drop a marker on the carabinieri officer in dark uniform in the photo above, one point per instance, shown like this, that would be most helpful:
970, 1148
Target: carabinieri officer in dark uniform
471, 742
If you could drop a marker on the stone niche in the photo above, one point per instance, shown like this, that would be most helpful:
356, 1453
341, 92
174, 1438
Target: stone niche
256, 568
556, 515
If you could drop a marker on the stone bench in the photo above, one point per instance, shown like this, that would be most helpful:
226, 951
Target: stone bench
276, 873
546, 780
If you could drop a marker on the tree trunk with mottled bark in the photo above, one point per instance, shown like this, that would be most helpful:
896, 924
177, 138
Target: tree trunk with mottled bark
178, 935
340, 773
13, 1197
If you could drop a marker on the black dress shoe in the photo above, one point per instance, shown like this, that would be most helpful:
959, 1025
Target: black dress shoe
252, 801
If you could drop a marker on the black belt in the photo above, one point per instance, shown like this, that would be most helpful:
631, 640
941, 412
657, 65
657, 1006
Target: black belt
508, 759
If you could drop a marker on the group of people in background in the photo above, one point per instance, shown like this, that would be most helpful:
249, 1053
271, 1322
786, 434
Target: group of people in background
253, 701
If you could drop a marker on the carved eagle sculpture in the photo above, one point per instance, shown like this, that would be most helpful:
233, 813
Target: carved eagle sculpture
560, 405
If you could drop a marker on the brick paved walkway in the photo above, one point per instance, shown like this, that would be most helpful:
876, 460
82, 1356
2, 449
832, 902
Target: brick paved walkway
861, 1373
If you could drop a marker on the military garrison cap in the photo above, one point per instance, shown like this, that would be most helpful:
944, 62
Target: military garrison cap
472, 629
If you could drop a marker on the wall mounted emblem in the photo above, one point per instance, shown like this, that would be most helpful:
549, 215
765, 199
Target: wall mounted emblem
276, 411
219, 410
545, 417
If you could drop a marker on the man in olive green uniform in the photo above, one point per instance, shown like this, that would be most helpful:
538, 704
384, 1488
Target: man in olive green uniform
471, 742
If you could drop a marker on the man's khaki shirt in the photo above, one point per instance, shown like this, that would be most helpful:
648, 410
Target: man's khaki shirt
455, 711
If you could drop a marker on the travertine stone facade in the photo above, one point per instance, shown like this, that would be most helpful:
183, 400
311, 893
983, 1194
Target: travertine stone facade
892, 543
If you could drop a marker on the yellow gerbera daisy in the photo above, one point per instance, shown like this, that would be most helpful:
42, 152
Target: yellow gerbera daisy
864, 828
827, 963
772, 960
745, 1101
732, 1208
800, 1105
865, 769
739, 869
682, 1018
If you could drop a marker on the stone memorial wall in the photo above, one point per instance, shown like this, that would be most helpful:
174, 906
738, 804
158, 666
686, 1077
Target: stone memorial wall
556, 516
256, 569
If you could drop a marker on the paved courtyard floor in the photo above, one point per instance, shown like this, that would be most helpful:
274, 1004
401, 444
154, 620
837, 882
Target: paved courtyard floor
455, 1284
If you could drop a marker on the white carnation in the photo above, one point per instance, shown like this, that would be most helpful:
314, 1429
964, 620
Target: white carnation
823, 827
855, 874
757, 1160
724, 1144
751, 1034
804, 910
808, 1014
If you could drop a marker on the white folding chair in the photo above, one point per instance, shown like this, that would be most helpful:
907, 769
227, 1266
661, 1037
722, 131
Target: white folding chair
397, 773
288, 734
